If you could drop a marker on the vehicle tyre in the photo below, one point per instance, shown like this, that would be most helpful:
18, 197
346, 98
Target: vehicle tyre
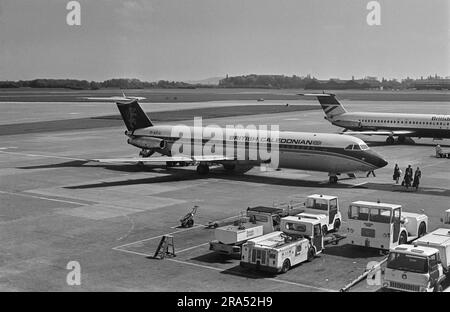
286, 266
337, 225
403, 239
324, 230
311, 253
422, 229
438, 288
401, 139
190, 223
390, 140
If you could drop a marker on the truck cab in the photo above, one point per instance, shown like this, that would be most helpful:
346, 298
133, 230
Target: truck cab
299, 240
414, 268
324, 208
382, 225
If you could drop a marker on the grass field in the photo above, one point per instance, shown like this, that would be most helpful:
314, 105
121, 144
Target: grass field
165, 116
213, 94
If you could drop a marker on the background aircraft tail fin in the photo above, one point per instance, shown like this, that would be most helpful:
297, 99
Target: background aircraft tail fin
329, 103
133, 115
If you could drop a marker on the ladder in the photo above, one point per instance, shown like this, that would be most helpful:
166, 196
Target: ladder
165, 248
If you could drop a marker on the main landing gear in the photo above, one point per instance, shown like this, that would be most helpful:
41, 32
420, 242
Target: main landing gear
203, 169
401, 139
333, 179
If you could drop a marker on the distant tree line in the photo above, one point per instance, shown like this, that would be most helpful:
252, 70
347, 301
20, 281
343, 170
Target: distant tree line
246, 81
93, 85
308, 82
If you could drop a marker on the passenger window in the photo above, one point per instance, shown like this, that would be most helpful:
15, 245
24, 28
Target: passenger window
350, 147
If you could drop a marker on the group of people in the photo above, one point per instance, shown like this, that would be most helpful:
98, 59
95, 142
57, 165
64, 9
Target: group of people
409, 177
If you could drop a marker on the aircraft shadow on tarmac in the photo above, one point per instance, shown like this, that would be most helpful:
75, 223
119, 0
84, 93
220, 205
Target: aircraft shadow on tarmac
401, 189
176, 175
407, 143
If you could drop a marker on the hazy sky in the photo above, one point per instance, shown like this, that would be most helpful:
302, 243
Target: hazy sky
195, 39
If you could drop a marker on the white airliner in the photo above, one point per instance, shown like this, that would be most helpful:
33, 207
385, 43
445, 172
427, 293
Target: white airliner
332, 153
398, 125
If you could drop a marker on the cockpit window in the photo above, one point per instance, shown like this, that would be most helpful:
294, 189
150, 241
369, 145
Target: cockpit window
363, 147
357, 147
350, 147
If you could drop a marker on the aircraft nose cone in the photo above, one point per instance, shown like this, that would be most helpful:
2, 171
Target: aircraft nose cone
382, 163
376, 160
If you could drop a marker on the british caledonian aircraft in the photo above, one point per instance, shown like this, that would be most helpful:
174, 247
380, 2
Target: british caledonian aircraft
390, 124
332, 153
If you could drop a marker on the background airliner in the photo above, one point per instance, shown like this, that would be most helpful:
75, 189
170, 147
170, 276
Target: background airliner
398, 125
332, 153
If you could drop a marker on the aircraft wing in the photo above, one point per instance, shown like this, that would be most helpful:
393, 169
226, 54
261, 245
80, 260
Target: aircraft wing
382, 132
144, 159
202, 158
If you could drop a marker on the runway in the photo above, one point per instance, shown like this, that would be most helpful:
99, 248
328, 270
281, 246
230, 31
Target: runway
57, 207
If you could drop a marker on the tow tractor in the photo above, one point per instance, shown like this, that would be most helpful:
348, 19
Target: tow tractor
298, 241
258, 221
423, 266
383, 226
324, 208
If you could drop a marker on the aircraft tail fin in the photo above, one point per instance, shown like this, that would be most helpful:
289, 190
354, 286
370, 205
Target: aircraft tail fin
133, 115
330, 105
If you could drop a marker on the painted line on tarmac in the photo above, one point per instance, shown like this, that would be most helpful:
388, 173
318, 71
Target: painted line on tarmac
43, 156
244, 275
132, 252
159, 236
193, 247
221, 270
45, 198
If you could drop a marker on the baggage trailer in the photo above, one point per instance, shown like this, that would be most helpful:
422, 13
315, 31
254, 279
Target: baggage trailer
383, 226
298, 241
422, 267
259, 220
324, 208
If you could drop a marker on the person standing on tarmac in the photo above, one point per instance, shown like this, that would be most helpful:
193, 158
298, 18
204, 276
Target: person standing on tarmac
408, 177
370, 172
417, 176
397, 173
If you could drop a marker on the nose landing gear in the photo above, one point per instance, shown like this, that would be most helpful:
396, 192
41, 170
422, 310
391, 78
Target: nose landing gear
333, 179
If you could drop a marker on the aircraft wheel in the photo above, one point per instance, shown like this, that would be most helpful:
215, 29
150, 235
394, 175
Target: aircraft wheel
390, 140
401, 139
324, 230
202, 169
333, 179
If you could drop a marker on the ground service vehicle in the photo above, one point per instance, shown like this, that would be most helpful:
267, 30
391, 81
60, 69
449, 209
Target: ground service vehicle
420, 267
258, 221
383, 226
298, 241
324, 208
